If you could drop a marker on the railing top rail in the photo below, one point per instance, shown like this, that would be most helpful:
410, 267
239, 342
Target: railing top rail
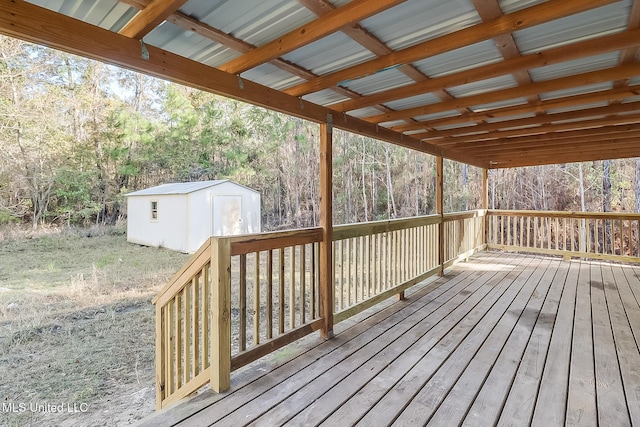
346, 231
193, 264
560, 214
452, 216
273, 240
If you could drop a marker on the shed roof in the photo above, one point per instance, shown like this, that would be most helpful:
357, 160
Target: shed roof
175, 188
494, 83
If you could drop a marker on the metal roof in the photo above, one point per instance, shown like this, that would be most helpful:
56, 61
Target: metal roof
177, 188
480, 81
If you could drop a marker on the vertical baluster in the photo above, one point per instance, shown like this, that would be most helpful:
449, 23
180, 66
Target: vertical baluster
269, 307
195, 324
243, 303
314, 265
186, 332
281, 293
356, 269
206, 289
367, 266
169, 344
292, 288
628, 251
178, 334
303, 283
256, 301
161, 356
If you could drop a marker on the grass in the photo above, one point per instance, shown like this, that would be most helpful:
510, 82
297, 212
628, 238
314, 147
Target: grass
77, 324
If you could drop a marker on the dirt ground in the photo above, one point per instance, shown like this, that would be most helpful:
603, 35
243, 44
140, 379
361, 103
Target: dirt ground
77, 327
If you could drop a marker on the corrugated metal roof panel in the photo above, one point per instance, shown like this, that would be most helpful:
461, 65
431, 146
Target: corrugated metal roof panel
580, 90
329, 54
177, 188
507, 118
365, 112
109, 14
190, 45
385, 80
582, 65
500, 104
483, 86
510, 6
587, 25
255, 21
272, 76
440, 115
577, 108
462, 59
414, 101
415, 21
325, 97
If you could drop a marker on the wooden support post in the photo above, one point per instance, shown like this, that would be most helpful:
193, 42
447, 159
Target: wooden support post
440, 211
160, 367
485, 206
220, 342
326, 223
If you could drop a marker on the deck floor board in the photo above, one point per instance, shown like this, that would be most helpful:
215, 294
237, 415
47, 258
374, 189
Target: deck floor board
505, 339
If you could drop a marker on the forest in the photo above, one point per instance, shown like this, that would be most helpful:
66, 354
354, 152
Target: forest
77, 135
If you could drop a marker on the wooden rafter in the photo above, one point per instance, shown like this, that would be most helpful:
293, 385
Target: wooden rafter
532, 121
519, 20
564, 102
150, 17
376, 46
545, 129
542, 140
552, 56
489, 10
584, 79
354, 11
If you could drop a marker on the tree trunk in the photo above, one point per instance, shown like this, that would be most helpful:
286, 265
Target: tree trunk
364, 180
391, 203
583, 222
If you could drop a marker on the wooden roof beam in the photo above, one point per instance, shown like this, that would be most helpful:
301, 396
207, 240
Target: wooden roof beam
33, 23
558, 55
541, 106
489, 10
519, 20
599, 134
590, 124
584, 79
352, 12
153, 14
565, 156
529, 121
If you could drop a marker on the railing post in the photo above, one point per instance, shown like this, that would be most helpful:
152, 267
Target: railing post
326, 222
440, 211
220, 342
160, 358
485, 207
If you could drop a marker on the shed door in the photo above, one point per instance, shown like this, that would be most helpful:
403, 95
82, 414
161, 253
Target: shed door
227, 218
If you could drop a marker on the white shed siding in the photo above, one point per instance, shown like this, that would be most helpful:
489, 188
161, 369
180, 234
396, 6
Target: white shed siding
167, 231
189, 213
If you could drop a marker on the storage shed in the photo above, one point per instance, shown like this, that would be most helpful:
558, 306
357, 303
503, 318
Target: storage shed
181, 216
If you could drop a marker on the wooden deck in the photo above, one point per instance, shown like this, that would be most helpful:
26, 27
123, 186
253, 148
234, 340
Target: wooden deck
504, 339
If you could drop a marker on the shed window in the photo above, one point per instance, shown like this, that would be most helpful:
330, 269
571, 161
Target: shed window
154, 210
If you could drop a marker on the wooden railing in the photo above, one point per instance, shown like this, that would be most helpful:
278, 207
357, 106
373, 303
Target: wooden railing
464, 234
607, 236
240, 298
